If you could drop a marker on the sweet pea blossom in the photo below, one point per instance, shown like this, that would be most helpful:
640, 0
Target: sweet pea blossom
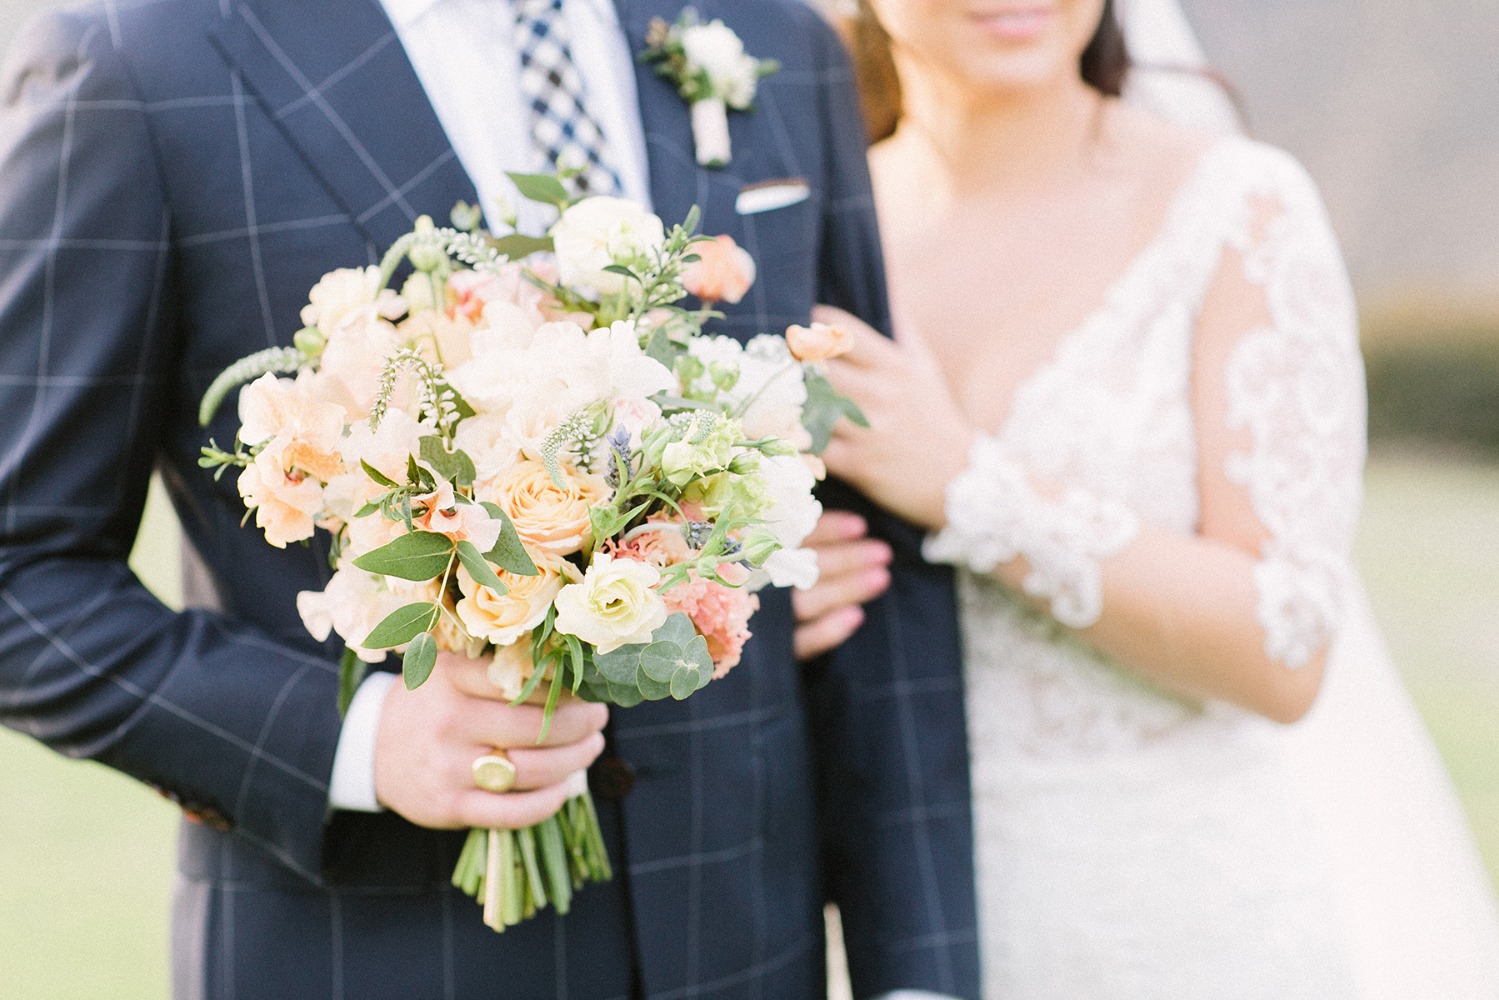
818, 342
442, 514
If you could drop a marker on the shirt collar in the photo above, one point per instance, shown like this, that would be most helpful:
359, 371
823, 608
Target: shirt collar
403, 13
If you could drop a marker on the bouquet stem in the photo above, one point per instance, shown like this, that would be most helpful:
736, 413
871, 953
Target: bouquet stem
514, 873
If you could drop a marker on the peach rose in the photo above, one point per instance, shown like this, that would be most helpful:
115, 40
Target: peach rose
723, 272
549, 518
817, 342
505, 618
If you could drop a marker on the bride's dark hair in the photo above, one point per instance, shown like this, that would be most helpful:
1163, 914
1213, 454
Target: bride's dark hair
1104, 65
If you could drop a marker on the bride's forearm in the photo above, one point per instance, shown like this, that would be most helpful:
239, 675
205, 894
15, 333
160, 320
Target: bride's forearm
1181, 611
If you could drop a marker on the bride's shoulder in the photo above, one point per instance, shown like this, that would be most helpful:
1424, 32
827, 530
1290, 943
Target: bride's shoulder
1228, 167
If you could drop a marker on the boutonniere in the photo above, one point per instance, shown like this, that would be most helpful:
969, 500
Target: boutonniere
711, 71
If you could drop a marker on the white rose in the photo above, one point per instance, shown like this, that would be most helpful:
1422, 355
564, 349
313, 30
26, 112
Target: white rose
713, 48
600, 231
614, 605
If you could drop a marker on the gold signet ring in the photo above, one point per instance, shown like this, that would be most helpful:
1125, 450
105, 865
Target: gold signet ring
494, 773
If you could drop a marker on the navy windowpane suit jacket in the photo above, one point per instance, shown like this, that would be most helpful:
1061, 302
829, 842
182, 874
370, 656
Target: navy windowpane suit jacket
174, 176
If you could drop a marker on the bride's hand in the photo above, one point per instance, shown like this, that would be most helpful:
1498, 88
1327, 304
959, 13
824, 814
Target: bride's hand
917, 440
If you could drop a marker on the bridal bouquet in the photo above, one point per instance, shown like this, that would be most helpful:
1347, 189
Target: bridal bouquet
528, 450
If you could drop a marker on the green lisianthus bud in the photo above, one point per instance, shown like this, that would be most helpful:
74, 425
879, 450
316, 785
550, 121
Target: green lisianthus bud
310, 341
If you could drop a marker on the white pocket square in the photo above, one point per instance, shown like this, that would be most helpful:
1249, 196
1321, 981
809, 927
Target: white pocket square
765, 196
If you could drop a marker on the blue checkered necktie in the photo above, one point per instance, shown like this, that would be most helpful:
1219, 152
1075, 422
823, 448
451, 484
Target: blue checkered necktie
561, 126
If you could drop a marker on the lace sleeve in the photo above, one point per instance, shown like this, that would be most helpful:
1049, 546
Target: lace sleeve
1295, 391
994, 515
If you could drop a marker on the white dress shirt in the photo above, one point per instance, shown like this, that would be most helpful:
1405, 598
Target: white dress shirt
464, 54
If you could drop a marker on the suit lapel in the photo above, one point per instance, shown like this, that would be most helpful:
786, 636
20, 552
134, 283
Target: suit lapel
333, 77
677, 182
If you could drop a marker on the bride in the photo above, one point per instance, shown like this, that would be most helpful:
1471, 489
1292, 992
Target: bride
1126, 400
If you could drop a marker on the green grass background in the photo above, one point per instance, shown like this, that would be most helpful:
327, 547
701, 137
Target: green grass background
86, 855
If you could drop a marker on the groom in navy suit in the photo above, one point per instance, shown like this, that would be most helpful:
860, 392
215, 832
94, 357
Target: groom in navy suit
174, 176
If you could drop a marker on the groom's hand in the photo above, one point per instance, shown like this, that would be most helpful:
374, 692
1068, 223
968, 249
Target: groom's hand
427, 741
852, 569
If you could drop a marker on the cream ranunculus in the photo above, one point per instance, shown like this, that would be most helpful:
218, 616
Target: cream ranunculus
547, 517
615, 604
600, 231
505, 618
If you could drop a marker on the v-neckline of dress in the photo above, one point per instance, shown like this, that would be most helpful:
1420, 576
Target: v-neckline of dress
1173, 218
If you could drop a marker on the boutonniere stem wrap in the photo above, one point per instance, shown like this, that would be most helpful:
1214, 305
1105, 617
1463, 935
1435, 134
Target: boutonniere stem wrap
710, 69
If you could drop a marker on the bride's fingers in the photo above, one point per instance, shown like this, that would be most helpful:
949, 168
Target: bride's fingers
870, 347
826, 633
835, 527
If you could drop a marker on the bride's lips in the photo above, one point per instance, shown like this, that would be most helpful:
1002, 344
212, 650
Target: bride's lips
1016, 23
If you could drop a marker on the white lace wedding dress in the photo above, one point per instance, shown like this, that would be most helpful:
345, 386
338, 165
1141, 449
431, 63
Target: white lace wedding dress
1132, 844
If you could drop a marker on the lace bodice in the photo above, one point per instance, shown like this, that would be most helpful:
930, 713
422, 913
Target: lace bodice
1110, 417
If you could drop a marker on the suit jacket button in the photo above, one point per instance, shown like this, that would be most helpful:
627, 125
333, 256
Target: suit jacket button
611, 778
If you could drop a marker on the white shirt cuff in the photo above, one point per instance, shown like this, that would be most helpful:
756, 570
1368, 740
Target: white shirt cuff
352, 786
914, 995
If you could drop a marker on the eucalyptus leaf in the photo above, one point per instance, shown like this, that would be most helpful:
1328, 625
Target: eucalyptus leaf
454, 466
509, 553
677, 628
685, 682
651, 689
660, 661
378, 476
824, 407
517, 246
420, 658
401, 626
418, 556
621, 666
625, 697
541, 187
473, 560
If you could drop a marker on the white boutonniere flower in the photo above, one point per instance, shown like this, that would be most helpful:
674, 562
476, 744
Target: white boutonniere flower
712, 72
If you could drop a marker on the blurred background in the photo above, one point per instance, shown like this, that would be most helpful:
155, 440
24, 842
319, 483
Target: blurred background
1393, 107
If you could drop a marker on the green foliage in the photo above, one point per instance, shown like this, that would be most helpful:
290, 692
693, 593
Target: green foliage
509, 553
420, 658
674, 664
1437, 389
473, 560
351, 671
455, 466
544, 188
418, 556
825, 405
402, 625
280, 360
